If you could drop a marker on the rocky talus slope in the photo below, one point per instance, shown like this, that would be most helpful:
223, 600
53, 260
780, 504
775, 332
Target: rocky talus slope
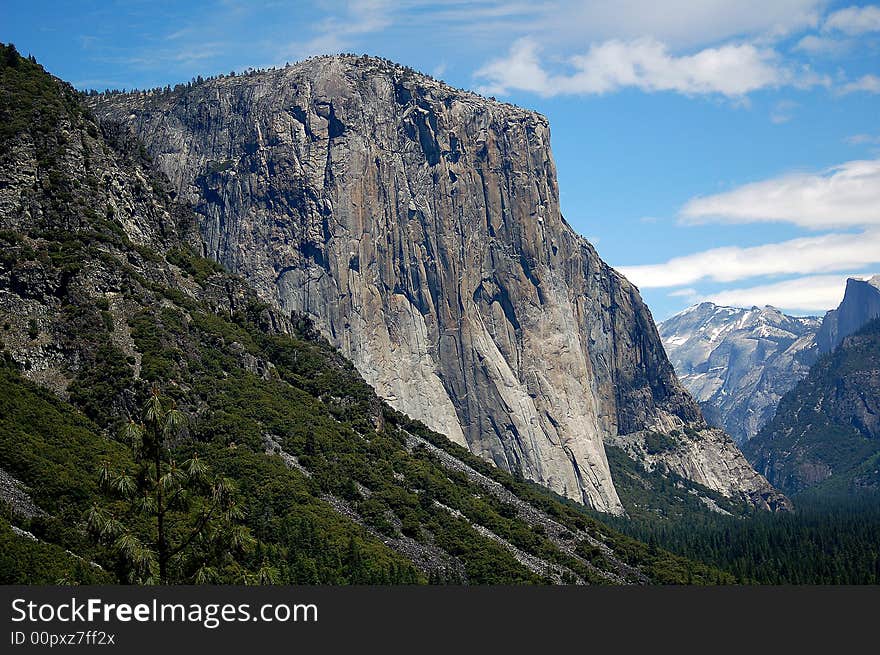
419, 227
739, 362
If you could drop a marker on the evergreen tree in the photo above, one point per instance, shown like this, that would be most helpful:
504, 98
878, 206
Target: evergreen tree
167, 522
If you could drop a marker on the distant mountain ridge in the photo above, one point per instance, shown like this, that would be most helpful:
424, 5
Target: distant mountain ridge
801, 395
825, 435
739, 362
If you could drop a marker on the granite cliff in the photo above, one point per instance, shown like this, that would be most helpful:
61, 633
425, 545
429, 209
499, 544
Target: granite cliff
419, 227
860, 304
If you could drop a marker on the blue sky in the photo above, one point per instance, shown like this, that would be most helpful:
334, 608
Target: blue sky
723, 150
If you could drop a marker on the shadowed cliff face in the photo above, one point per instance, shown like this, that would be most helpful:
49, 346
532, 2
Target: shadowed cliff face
860, 304
420, 226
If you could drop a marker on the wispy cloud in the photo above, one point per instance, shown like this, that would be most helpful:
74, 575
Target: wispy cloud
677, 23
814, 293
361, 17
783, 111
824, 45
863, 139
845, 196
188, 55
323, 44
802, 256
854, 20
339, 33
179, 34
731, 70
87, 41
554, 47
866, 83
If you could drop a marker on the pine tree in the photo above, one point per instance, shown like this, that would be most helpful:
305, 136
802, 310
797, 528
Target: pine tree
167, 522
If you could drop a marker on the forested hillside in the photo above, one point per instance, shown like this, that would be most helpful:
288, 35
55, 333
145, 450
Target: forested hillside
825, 435
824, 541
104, 296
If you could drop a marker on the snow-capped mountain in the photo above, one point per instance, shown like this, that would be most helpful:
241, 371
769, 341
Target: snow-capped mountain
739, 362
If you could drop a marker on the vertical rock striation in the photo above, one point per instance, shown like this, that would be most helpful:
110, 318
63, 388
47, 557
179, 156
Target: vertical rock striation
860, 304
419, 226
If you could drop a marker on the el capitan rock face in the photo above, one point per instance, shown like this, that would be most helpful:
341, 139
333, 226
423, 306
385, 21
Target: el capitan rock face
419, 226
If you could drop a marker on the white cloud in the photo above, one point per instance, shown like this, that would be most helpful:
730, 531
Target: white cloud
521, 70
815, 293
854, 20
862, 139
847, 195
678, 23
867, 83
732, 70
823, 45
177, 34
806, 255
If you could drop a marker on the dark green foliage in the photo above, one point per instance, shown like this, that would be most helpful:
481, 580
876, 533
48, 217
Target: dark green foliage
324, 413
54, 450
107, 318
823, 542
660, 565
158, 354
57, 452
167, 522
30, 100
657, 442
45, 443
826, 431
215, 167
25, 561
195, 265
98, 387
